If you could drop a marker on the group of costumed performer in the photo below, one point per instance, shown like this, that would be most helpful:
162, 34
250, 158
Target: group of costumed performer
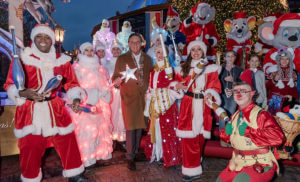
251, 132
195, 120
41, 117
93, 129
161, 143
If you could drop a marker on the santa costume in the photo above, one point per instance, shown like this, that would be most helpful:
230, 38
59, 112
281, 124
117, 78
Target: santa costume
93, 128
251, 132
36, 122
195, 120
118, 131
161, 142
204, 31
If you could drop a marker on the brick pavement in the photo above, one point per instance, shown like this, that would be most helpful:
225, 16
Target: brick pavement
114, 170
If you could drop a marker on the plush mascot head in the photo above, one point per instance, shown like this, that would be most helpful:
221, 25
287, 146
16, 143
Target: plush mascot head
173, 20
202, 13
239, 28
283, 32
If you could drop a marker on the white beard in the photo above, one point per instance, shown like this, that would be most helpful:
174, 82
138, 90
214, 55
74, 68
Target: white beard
104, 30
89, 62
126, 30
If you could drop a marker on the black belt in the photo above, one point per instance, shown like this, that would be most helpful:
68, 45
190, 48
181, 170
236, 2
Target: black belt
195, 95
45, 99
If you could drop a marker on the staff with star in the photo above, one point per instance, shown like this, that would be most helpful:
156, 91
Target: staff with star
131, 73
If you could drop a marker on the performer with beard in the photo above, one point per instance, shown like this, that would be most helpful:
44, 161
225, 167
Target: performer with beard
123, 36
93, 129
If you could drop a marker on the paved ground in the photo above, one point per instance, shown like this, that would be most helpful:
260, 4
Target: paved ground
114, 170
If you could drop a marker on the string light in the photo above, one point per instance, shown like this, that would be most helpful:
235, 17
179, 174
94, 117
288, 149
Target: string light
225, 10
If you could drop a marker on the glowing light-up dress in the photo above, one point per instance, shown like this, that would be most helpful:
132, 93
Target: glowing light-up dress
118, 132
93, 130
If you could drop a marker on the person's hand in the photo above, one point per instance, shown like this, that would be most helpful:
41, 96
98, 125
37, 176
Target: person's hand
228, 78
31, 94
189, 20
208, 97
75, 106
180, 86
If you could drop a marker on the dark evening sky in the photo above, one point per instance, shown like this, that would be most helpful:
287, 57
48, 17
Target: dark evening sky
80, 16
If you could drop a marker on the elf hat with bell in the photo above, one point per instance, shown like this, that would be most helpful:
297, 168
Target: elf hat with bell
172, 12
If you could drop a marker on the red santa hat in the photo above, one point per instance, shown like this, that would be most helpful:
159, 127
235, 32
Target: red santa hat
286, 20
172, 12
272, 17
42, 28
248, 78
199, 4
197, 42
237, 15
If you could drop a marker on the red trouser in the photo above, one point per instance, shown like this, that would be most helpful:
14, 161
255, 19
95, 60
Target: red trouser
247, 174
192, 149
32, 148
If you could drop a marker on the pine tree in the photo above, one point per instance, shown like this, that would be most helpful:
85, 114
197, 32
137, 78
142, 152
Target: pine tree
226, 8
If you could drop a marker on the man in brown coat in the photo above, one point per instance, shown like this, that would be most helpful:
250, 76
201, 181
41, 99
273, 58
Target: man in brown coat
133, 94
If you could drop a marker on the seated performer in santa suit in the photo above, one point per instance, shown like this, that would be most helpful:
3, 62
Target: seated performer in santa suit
161, 142
251, 132
42, 116
195, 120
93, 129
118, 131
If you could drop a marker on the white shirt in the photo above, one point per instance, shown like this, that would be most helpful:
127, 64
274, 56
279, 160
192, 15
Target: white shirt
137, 59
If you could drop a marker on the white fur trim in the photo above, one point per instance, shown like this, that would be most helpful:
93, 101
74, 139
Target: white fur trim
197, 42
185, 133
13, 94
291, 83
20, 133
36, 179
290, 23
105, 95
42, 28
169, 70
184, 23
214, 38
92, 96
273, 55
270, 68
219, 111
215, 94
197, 70
206, 134
280, 84
76, 93
192, 171
73, 172
212, 68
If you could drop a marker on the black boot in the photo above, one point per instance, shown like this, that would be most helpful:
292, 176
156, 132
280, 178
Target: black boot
78, 178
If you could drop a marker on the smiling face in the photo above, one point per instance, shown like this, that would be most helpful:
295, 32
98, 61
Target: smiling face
43, 42
89, 51
159, 54
242, 95
284, 61
254, 62
196, 52
116, 51
135, 44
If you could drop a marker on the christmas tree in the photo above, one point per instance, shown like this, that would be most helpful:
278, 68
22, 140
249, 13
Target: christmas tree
225, 10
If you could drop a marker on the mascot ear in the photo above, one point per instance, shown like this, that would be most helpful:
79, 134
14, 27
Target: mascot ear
212, 13
251, 22
265, 33
227, 25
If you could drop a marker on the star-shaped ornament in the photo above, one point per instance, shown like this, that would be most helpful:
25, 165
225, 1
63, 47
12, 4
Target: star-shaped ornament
129, 73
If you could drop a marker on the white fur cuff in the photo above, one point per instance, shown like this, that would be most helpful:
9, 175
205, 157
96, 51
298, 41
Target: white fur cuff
76, 93
206, 134
73, 172
215, 94
192, 171
37, 179
13, 94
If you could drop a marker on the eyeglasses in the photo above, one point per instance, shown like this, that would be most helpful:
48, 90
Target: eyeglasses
242, 92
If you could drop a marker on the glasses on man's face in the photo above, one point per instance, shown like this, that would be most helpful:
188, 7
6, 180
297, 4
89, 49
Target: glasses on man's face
242, 92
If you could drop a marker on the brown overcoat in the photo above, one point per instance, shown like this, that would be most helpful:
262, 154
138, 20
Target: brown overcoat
132, 94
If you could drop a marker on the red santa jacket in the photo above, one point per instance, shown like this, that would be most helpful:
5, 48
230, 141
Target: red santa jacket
49, 117
207, 31
269, 63
195, 116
